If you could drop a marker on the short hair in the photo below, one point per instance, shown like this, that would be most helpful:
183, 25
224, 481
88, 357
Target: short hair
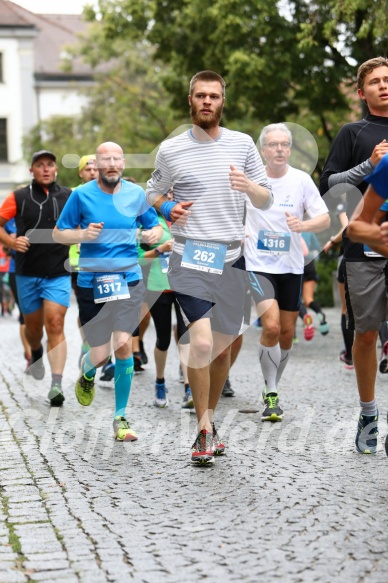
367, 67
270, 128
207, 76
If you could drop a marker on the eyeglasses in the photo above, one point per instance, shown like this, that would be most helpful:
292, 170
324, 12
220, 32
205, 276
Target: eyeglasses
276, 145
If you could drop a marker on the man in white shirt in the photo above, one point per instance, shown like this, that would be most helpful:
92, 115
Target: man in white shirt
274, 257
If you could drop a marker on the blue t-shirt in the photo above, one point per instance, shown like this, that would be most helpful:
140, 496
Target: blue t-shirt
379, 177
115, 249
10, 228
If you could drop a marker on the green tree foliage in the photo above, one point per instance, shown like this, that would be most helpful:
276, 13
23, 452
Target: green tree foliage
58, 135
128, 105
281, 60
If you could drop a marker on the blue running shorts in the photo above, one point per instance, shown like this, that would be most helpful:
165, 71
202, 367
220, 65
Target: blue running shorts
33, 290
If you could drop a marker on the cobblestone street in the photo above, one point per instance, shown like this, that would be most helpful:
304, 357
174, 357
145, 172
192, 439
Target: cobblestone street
291, 501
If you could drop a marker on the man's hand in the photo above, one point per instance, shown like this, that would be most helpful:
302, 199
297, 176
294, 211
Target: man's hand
166, 247
379, 152
92, 231
294, 224
384, 232
180, 214
21, 244
152, 236
238, 180
258, 195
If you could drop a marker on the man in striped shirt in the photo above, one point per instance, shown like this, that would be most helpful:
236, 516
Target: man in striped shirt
212, 170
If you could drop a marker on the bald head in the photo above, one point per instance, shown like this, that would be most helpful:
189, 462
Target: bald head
109, 147
110, 163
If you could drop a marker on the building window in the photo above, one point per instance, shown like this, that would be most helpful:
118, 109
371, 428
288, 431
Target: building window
1, 69
3, 141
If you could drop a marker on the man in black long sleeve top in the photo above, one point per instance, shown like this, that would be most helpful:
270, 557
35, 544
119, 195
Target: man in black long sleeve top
356, 150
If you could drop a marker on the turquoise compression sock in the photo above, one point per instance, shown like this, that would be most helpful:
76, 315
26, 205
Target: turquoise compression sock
88, 369
123, 381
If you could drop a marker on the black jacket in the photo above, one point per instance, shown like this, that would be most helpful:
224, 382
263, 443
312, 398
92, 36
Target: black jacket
36, 217
353, 144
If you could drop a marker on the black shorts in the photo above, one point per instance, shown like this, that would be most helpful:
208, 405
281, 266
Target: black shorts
309, 273
100, 320
209, 295
340, 270
286, 288
160, 304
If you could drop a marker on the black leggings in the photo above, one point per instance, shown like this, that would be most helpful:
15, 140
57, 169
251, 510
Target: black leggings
161, 313
14, 290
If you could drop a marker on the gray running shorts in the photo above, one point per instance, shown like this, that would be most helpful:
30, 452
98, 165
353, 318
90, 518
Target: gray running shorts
365, 294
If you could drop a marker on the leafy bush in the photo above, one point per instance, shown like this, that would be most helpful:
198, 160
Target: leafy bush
325, 265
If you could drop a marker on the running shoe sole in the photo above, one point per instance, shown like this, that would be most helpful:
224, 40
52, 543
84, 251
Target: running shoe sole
122, 430
348, 363
161, 404
128, 437
272, 417
309, 328
203, 461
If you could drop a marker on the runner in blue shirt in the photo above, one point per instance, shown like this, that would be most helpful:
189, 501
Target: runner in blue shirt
103, 216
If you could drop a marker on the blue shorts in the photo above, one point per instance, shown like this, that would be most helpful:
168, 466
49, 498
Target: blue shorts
33, 290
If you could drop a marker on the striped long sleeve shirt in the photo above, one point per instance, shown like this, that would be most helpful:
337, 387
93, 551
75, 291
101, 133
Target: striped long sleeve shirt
199, 172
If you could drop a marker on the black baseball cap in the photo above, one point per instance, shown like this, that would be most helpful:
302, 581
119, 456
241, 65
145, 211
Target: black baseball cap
41, 154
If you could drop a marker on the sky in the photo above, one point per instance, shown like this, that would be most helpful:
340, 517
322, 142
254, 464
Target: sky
53, 6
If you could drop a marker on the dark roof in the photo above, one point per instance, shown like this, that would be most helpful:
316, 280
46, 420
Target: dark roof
55, 31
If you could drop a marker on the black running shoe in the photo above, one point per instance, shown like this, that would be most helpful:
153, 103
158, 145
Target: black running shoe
272, 411
142, 353
383, 366
107, 372
137, 364
56, 396
227, 391
367, 432
346, 359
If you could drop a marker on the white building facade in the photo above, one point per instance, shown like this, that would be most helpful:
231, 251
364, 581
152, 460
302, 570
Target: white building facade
32, 85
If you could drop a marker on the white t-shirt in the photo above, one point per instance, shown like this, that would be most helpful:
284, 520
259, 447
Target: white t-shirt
280, 250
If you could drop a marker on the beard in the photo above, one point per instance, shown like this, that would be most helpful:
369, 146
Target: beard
206, 121
110, 180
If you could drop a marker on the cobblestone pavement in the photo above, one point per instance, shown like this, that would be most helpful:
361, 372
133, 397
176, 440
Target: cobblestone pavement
291, 501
